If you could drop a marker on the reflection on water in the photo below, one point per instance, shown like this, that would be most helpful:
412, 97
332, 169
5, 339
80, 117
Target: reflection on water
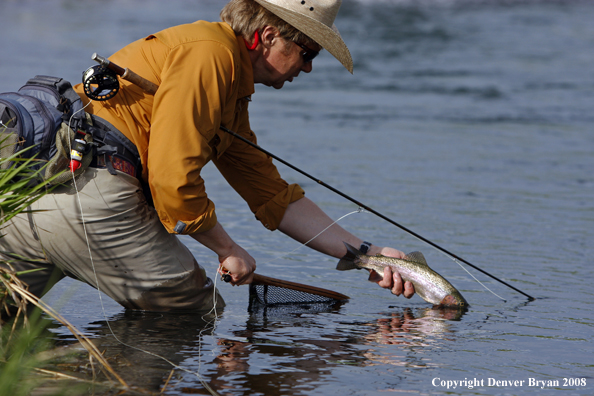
143, 347
422, 329
268, 353
469, 122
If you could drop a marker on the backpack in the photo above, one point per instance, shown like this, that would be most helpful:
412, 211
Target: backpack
45, 120
31, 118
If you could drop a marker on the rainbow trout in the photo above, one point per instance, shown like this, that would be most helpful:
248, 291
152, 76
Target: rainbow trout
429, 285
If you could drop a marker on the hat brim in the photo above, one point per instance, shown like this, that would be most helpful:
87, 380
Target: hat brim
328, 38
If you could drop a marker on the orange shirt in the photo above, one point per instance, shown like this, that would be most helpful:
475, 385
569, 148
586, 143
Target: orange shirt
205, 80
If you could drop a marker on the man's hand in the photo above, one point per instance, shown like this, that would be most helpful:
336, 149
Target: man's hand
232, 257
240, 265
391, 280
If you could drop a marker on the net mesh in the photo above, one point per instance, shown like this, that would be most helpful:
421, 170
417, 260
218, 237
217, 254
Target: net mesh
265, 297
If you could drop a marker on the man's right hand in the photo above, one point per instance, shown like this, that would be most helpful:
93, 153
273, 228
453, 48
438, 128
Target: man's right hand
232, 257
240, 265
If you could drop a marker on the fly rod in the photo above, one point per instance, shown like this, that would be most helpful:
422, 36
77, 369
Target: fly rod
367, 208
151, 88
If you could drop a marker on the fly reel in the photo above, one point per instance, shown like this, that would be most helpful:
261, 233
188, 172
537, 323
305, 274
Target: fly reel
100, 83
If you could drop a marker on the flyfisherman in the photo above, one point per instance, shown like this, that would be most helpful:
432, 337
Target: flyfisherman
206, 74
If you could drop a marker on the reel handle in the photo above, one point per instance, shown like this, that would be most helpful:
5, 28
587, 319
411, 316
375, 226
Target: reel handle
127, 74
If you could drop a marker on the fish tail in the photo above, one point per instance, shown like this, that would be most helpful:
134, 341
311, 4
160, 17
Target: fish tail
347, 262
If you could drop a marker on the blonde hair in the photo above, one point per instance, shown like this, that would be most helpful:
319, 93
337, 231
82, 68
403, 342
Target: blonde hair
247, 17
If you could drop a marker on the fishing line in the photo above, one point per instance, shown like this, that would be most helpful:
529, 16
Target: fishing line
480, 283
314, 237
469, 273
361, 205
208, 322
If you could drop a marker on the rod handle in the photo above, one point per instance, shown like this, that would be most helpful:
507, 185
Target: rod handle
146, 85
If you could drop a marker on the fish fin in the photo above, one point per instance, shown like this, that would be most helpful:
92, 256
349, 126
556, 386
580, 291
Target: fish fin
347, 262
416, 257
352, 251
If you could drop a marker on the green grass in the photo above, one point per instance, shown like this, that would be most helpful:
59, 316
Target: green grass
24, 342
21, 352
20, 341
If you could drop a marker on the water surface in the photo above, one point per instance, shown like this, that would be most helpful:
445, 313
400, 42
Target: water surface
468, 122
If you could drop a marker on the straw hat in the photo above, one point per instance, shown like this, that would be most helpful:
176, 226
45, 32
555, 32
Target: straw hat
315, 18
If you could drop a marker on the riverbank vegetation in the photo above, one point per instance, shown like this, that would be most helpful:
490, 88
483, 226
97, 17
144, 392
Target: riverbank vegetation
28, 359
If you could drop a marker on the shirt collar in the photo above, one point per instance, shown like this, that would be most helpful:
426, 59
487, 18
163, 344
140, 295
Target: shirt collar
246, 82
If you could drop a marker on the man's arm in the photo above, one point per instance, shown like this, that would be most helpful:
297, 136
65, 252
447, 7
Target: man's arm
303, 220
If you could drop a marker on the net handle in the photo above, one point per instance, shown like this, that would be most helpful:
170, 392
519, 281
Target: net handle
266, 280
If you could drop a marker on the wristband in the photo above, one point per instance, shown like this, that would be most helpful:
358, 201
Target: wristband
365, 247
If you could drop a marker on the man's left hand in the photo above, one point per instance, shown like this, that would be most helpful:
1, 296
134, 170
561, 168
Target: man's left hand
391, 280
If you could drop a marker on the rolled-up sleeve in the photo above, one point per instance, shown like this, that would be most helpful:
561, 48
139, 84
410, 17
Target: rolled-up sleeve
271, 213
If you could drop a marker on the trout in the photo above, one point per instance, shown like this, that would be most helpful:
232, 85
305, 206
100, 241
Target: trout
429, 285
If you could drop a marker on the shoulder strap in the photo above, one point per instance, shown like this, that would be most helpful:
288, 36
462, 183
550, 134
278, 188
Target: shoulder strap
69, 101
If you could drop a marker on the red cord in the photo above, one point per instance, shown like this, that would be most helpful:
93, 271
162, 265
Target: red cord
256, 40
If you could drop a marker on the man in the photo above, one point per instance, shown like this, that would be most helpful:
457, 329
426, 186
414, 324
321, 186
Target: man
101, 230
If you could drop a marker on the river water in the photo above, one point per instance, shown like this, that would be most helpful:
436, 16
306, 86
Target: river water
469, 122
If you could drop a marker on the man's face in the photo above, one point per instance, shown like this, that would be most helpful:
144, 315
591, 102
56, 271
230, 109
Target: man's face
283, 61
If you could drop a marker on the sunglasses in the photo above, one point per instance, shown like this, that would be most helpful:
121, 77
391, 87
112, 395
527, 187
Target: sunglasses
307, 54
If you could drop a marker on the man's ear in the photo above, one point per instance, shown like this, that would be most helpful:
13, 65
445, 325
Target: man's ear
268, 35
